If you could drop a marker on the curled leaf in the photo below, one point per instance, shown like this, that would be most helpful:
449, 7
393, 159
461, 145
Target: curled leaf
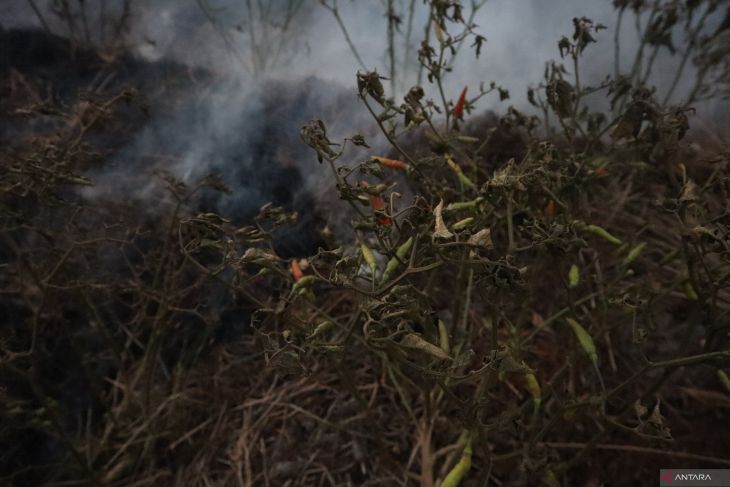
440, 228
413, 341
482, 238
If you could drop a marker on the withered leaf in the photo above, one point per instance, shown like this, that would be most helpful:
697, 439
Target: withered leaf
413, 341
440, 230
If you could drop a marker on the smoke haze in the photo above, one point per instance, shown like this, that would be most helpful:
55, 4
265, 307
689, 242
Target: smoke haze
284, 62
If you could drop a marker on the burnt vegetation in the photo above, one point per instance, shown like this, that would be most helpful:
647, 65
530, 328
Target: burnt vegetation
526, 297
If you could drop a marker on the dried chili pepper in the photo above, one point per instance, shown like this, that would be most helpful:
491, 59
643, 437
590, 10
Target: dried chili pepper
459, 107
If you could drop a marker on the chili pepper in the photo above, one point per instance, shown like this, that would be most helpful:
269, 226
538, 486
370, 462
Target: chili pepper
463, 223
400, 255
586, 343
550, 210
296, 271
392, 163
464, 205
573, 276
600, 172
376, 202
459, 107
534, 387
369, 257
634, 254
322, 328
596, 230
584, 339
457, 474
303, 285
459, 174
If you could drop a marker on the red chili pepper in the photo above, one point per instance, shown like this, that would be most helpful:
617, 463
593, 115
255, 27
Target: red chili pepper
391, 163
296, 271
376, 202
459, 107
600, 172
550, 210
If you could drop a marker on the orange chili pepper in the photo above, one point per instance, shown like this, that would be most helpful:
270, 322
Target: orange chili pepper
550, 210
296, 271
459, 107
391, 163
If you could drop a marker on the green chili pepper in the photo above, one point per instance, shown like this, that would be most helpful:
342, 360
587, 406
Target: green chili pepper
457, 474
303, 283
573, 276
534, 387
463, 223
322, 328
369, 257
584, 339
586, 343
634, 254
464, 205
393, 264
596, 230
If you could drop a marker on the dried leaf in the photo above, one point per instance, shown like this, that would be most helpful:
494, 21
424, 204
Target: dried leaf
413, 341
483, 238
440, 229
